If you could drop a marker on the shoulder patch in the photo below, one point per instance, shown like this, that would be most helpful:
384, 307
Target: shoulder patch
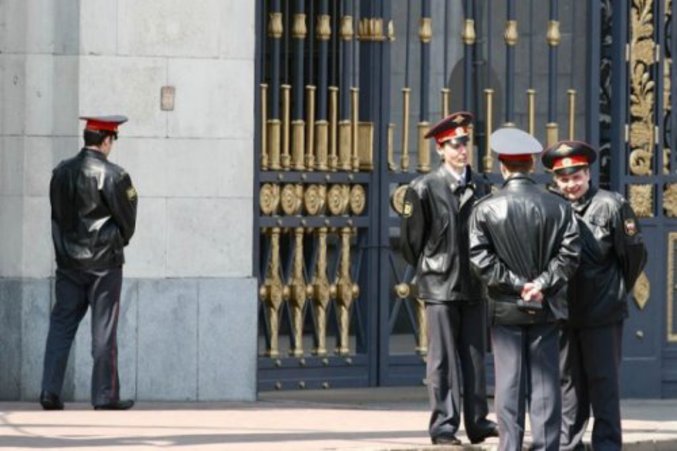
408, 209
630, 227
131, 193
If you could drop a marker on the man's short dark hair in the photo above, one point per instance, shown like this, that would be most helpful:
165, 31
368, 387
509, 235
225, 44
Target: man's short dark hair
518, 165
96, 137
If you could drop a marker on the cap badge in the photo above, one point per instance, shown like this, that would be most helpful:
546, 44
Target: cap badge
565, 148
458, 120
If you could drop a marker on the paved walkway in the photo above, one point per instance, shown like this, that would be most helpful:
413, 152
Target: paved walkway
362, 419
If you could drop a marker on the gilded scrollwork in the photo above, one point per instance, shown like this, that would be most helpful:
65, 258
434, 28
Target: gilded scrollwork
469, 35
346, 291
346, 30
670, 300
642, 291
391, 30
298, 293
402, 290
640, 161
314, 199
338, 199
323, 27
358, 199
275, 27
425, 31
511, 34
422, 336
670, 200
273, 292
370, 29
299, 29
407, 292
321, 292
641, 199
292, 199
553, 36
269, 198
642, 87
397, 199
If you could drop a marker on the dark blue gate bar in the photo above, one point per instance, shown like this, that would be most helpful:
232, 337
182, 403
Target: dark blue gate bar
553, 38
469, 38
298, 33
511, 37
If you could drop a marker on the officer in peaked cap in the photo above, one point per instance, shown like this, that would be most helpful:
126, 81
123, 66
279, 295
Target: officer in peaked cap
434, 240
514, 145
93, 218
524, 245
567, 157
612, 259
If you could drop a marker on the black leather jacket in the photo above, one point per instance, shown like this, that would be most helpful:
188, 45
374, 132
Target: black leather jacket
434, 235
613, 256
93, 212
519, 234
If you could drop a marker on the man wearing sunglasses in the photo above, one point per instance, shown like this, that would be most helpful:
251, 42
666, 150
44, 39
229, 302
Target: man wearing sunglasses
93, 218
434, 240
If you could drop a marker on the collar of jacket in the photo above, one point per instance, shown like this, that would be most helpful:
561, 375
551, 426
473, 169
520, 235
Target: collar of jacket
454, 184
518, 178
93, 153
582, 204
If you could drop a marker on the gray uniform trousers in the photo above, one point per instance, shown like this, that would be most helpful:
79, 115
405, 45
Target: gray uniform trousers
75, 291
590, 360
526, 360
455, 334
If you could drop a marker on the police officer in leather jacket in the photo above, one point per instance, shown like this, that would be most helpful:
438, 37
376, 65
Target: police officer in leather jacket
524, 245
93, 218
612, 258
434, 240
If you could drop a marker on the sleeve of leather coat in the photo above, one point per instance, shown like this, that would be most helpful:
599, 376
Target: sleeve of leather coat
629, 244
413, 227
122, 200
493, 272
564, 264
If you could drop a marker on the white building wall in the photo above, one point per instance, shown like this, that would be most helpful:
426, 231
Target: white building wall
188, 317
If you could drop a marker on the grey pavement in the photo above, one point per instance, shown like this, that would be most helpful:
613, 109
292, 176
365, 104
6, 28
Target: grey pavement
375, 419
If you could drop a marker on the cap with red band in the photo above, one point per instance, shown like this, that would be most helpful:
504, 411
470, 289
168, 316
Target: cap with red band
451, 127
513, 144
567, 157
104, 123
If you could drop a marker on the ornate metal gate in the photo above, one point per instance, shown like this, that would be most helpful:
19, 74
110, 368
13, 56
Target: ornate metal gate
348, 88
637, 131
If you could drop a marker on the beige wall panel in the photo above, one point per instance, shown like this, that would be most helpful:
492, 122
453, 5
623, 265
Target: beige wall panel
214, 98
169, 28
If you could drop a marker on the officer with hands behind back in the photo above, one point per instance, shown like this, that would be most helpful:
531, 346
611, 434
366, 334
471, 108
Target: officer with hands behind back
524, 245
93, 218
434, 240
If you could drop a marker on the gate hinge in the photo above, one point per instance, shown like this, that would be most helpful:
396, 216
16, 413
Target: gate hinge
657, 48
627, 133
627, 53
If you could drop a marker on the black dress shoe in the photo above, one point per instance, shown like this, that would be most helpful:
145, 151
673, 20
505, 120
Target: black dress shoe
50, 401
482, 431
445, 440
123, 404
